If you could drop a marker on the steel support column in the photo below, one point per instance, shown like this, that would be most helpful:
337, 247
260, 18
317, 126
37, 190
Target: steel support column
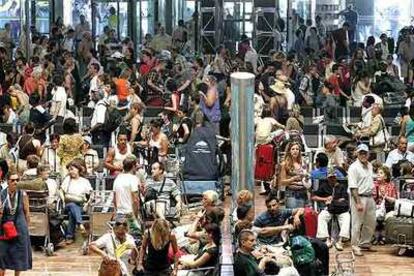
242, 132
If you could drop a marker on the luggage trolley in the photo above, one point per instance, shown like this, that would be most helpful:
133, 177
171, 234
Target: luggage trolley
39, 218
101, 209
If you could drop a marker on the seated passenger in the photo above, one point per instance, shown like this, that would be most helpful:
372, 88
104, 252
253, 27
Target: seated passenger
335, 198
243, 197
333, 151
32, 163
117, 245
276, 217
245, 263
321, 170
384, 194
117, 154
165, 189
399, 155
75, 190
208, 256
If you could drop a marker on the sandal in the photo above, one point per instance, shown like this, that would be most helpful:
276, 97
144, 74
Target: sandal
382, 241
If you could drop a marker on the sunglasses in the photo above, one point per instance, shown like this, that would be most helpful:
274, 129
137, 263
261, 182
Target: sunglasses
14, 179
121, 223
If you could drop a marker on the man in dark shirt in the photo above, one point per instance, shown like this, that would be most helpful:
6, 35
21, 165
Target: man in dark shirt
334, 196
276, 217
244, 262
341, 38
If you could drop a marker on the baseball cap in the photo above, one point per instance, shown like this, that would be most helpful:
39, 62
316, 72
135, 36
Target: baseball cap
87, 139
362, 147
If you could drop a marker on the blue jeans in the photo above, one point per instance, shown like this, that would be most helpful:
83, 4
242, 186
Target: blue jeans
295, 199
75, 218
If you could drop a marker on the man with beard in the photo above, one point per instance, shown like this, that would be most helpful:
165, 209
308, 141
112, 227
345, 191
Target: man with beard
276, 217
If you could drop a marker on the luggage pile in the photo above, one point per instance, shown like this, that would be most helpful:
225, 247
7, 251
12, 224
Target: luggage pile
399, 229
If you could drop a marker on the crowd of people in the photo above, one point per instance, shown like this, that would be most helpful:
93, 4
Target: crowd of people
49, 142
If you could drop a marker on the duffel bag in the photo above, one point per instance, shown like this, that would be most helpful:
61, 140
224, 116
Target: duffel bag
404, 208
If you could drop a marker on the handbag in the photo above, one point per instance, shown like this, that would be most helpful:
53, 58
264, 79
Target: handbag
9, 227
110, 267
152, 194
381, 138
78, 199
380, 212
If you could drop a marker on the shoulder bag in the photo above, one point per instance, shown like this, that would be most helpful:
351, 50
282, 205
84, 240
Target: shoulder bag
110, 267
78, 199
152, 194
9, 227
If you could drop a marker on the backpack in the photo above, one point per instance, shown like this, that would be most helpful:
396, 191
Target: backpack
113, 119
201, 155
302, 251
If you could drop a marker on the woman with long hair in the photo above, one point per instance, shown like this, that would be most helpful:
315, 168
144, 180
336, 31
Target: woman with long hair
292, 173
153, 258
384, 194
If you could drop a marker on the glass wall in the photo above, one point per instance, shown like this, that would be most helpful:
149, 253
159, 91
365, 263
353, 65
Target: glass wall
112, 14
41, 12
12, 12
72, 10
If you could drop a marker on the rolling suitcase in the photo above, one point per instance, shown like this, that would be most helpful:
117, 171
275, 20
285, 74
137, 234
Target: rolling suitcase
310, 219
265, 162
399, 230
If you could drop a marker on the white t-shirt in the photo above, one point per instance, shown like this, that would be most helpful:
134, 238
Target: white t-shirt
79, 187
98, 116
124, 185
93, 84
59, 96
107, 241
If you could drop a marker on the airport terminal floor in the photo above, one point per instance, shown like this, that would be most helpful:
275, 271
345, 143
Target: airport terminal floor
207, 137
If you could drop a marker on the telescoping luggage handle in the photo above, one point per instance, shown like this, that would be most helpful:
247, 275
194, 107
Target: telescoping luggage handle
399, 211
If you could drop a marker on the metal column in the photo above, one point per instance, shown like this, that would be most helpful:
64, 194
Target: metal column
242, 132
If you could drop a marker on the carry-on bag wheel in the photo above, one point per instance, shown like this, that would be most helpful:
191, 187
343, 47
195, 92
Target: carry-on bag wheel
85, 248
50, 249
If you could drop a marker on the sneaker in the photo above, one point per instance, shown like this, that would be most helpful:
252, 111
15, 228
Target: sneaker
82, 229
357, 251
339, 246
328, 243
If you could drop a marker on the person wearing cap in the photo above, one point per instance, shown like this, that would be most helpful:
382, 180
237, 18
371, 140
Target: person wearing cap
89, 155
117, 245
278, 103
361, 184
333, 198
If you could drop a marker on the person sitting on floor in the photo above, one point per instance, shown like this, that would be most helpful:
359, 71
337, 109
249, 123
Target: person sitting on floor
335, 197
276, 217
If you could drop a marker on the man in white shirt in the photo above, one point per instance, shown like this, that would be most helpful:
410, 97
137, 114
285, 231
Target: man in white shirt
94, 72
126, 198
69, 41
361, 184
400, 153
99, 135
251, 56
59, 99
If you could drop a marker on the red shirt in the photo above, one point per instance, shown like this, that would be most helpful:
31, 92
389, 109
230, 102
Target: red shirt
381, 190
334, 80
